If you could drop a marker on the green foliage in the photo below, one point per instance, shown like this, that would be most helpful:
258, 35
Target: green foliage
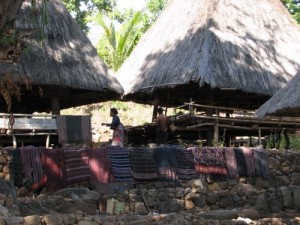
295, 142
294, 8
82, 9
116, 46
155, 7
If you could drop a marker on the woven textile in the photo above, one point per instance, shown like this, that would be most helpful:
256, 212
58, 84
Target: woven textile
166, 163
31, 161
185, 164
248, 155
99, 163
53, 164
120, 164
76, 160
142, 165
241, 162
15, 167
74, 129
209, 160
261, 162
230, 162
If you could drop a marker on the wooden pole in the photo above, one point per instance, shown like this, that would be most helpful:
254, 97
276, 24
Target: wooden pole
55, 105
259, 136
154, 113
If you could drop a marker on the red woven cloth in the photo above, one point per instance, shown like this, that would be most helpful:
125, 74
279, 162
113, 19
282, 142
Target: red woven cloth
99, 163
53, 163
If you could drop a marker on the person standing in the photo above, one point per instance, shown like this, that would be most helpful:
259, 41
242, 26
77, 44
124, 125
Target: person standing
162, 125
117, 127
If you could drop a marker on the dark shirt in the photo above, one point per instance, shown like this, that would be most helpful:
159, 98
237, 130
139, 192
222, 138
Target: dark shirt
115, 122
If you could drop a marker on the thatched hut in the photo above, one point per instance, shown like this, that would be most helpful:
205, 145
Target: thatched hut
227, 53
64, 69
285, 102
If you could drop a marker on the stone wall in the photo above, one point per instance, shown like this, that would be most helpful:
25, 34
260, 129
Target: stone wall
250, 197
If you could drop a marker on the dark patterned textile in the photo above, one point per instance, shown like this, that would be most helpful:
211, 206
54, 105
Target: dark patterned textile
99, 163
120, 164
241, 162
185, 164
53, 168
248, 155
166, 163
209, 160
261, 162
32, 165
143, 165
15, 167
77, 168
231, 164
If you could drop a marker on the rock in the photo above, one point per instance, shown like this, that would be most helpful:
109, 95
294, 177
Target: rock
249, 213
32, 220
52, 219
199, 186
295, 179
287, 197
212, 198
275, 205
189, 204
219, 214
140, 208
296, 196
68, 219
274, 163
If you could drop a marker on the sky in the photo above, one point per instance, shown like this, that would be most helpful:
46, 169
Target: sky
96, 31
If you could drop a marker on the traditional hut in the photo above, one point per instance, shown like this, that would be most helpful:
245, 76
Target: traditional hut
285, 102
62, 69
215, 52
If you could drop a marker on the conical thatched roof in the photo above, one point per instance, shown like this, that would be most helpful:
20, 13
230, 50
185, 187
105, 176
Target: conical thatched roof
235, 53
66, 65
285, 102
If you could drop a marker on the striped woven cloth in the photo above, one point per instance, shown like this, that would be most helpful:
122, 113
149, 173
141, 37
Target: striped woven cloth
185, 164
53, 164
142, 164
120, 164
99, 163
248, 155
76, 160
209, 160
32, 164
166, 163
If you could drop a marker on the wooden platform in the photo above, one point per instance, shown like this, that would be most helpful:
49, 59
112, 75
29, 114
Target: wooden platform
209, 124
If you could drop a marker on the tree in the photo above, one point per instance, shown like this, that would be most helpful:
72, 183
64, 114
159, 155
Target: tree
294, 8
83, 9
116, 46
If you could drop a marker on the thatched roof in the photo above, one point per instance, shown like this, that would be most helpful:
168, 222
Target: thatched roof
285, 102
66, 65
237, 53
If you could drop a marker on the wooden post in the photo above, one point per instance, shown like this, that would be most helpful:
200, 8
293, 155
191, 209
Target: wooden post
209, 112
55, 105
259, 136
154, 112
216, 133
